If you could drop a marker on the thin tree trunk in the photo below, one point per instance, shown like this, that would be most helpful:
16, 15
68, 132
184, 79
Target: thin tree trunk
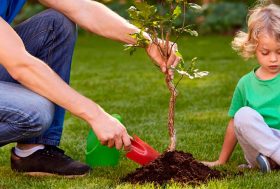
171, 113
172, 100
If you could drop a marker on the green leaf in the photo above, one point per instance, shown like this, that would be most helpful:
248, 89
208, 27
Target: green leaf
186, 30
130, 48
177, 53
133, 13
194, 6
146, 10
140, 38
138, 24
191, 32
181, 64
177, 12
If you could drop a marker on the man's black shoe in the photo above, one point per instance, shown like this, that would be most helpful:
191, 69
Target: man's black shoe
48, 161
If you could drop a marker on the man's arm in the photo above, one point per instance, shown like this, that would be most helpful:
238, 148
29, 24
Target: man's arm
37, 76
229, 144
97, 18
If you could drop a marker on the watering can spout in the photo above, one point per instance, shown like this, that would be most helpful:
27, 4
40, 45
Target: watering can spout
141, 152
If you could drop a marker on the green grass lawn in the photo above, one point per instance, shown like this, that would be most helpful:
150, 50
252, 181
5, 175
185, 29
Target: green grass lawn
133, 87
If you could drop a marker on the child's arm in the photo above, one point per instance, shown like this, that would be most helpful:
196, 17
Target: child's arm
228, 146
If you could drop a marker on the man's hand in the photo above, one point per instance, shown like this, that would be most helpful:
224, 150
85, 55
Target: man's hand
110, 131
157, 54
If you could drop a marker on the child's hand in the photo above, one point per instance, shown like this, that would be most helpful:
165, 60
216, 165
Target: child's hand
212, 163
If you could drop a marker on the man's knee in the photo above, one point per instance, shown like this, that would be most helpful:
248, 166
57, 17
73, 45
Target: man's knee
30, 120
41, 120
53, 20
24, 112
37, 122
64, 25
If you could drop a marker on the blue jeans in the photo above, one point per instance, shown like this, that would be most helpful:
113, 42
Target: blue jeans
25, 116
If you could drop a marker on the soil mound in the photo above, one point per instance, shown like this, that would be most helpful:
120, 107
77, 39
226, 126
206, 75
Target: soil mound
177, 166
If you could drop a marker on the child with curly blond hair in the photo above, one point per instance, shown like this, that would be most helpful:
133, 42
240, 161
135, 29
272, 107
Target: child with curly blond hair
255, 106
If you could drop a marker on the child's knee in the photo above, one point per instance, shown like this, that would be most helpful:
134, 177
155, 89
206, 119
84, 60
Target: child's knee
244, 117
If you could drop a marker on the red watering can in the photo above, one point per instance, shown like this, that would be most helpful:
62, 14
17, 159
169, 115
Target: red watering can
141, 152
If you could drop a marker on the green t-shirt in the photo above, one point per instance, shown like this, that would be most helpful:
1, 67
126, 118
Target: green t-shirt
261, 95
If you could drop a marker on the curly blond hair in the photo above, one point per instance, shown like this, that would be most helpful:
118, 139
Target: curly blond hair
261, 19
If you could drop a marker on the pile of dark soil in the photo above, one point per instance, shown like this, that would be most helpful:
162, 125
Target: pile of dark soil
174, 166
